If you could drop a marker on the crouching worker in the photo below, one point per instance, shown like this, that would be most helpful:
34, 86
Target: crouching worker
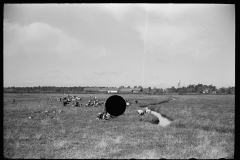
76, 104
65, 103
103, 115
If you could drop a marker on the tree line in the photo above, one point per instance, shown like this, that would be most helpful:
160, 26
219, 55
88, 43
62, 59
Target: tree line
190, 89
45, 89
202, 89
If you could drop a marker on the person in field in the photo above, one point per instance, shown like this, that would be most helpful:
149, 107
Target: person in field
140, 112
103, 115
76, 104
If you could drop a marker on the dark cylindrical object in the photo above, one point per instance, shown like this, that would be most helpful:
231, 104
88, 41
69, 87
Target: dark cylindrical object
115, 105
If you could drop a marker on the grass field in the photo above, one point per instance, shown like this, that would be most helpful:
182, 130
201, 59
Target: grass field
203, 127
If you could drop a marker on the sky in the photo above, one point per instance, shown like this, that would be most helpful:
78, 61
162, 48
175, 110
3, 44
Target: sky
113, 45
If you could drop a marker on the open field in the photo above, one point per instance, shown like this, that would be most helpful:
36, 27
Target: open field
203, 127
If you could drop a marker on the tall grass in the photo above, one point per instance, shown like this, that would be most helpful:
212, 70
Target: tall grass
202, 127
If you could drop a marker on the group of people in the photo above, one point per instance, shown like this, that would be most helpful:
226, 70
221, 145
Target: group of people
69, 98
93, 102
105, 115
141, 112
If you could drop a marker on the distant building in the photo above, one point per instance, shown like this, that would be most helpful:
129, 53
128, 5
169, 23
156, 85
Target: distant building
125, 90
214, 92
206, 91
91, 89
137, 90
109, 90
113, 91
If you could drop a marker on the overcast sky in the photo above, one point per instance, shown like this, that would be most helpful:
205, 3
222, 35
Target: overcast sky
152, 45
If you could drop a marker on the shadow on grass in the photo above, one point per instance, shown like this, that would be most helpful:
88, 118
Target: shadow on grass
154, 121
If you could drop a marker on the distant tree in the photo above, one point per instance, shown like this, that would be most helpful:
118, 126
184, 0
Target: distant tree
205, 87
211, 88
200, 88
229, 90
178, 90
135, 87
128, 87
154, 90
183, 90
196, 88
193, 87
58, 90
160, 91
140, 87
149, 89
221, 90
190, 86
189, 90
233, 90
172, 89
